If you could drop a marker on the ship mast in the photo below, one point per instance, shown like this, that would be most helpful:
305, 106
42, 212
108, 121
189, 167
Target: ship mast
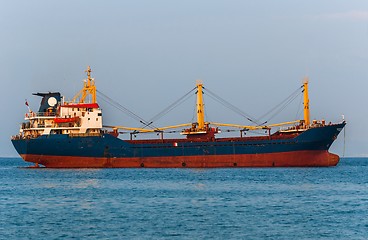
200, 129
306, 102
200, 106
89, 88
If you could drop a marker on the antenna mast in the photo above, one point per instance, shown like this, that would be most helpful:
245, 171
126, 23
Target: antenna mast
89, 88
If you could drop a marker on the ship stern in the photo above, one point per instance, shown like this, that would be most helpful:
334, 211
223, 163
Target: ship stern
20, 146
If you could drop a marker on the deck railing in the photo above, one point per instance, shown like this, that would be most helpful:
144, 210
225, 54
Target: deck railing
40, 114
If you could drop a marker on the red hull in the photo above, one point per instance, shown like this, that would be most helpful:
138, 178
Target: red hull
286, 159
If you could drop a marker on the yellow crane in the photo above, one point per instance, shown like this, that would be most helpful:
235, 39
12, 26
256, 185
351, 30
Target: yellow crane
306, 103
201, 126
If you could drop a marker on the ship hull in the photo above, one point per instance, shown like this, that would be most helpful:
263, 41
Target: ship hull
304, 149
283, 159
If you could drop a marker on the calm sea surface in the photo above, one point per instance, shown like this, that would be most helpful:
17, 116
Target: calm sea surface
257, 203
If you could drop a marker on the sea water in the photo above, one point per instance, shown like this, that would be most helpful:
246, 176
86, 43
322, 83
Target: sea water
227, 203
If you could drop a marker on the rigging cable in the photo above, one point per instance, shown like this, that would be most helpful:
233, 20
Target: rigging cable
231, 106
343, 153
282, 105
282, 108
170, 107
299, 108
122, 108
194, 110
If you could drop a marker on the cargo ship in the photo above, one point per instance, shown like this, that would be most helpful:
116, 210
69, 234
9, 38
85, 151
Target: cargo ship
71, 134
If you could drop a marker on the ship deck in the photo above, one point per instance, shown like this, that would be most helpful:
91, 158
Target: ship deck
274, 136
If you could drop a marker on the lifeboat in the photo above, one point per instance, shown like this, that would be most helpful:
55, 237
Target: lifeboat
66, 120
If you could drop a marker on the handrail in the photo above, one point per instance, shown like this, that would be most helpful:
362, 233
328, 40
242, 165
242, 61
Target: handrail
40, 114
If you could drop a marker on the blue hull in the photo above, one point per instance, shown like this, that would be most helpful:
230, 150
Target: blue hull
107, 146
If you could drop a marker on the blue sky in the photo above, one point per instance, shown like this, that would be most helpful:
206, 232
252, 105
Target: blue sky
147, 54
